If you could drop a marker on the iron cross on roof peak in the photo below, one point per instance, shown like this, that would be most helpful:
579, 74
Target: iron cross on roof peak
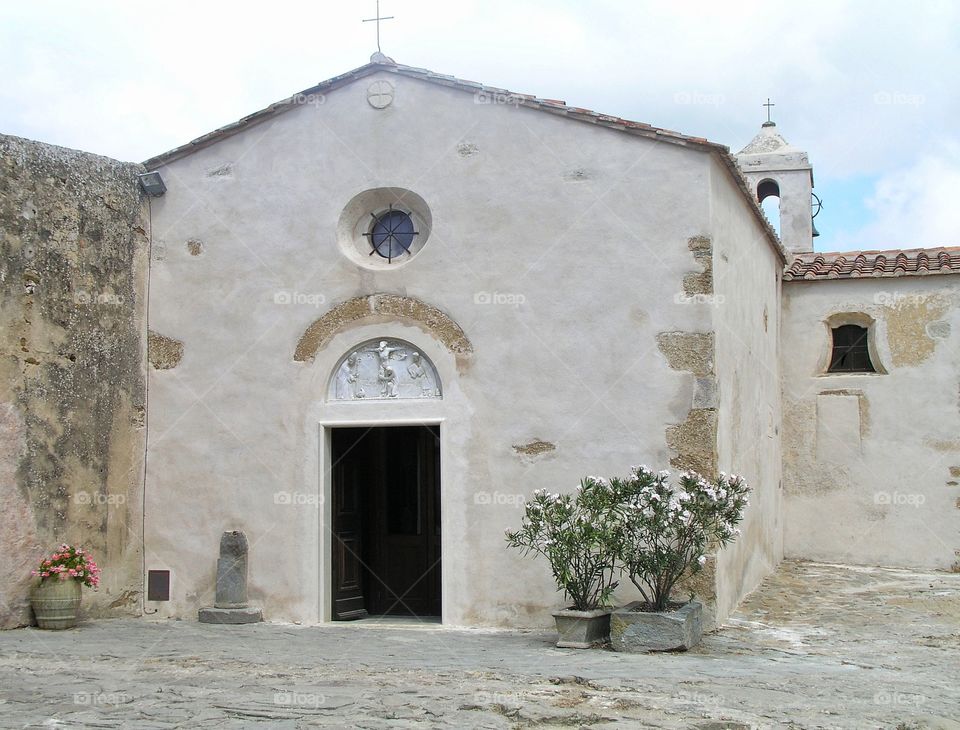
377, 21
769, 122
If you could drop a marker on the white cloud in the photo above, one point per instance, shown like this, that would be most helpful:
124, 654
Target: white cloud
912, 207
864, 88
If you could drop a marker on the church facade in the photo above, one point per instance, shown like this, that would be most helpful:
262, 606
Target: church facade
380, 313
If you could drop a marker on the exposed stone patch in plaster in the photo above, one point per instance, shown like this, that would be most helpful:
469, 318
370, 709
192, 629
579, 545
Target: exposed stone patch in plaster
700, 282
430, 319
534, 448
126, 599
863, 403
705, 393
195, 247
164, 353
695, 441
467, 149
803, 473
955, 472
690, 351
943, 444
907, 335
224, 170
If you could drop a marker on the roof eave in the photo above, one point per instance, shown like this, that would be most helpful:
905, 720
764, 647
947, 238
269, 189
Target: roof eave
548, 105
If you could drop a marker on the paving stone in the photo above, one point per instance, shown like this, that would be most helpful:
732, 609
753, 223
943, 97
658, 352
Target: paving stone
817, 646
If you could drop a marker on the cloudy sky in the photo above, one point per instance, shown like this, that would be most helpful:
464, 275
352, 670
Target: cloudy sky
869, 89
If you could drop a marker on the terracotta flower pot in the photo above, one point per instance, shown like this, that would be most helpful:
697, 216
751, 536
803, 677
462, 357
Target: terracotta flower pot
633, 629
582, 629
55, 603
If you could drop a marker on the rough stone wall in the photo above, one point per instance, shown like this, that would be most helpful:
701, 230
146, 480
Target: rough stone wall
73, 248
871, 460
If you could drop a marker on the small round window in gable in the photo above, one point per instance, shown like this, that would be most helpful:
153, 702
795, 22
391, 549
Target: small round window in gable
384, 228
392, 234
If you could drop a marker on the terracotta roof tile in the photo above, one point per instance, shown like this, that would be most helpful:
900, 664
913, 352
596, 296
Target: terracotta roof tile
873, 264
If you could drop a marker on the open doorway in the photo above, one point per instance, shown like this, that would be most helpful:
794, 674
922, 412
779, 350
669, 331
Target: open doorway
386, 521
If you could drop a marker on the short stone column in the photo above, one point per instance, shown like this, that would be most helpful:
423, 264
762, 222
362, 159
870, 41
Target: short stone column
230, 606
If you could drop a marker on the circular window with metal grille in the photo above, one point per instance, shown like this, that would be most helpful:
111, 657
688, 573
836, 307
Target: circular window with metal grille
391, 234
384, 228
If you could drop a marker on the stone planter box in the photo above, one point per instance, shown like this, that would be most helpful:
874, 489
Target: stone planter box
638, 631
582, 629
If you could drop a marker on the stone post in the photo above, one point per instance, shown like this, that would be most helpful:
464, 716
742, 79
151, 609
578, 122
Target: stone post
232, 571
230, 606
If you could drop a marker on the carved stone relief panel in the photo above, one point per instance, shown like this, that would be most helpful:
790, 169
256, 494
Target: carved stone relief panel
385, 369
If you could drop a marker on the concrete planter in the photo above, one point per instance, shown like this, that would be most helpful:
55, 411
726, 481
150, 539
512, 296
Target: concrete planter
636, 631
582, 629
55, 603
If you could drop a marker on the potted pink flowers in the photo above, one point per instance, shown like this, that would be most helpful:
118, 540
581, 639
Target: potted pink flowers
56, 597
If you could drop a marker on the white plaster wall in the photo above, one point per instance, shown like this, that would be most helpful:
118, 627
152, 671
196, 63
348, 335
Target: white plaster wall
588, 225
746, 315
796, 225
872, 461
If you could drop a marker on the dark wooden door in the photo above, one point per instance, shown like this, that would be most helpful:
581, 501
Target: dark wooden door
351, 475
386, 515
405, 542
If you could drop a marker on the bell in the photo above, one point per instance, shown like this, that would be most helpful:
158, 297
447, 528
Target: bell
814, 227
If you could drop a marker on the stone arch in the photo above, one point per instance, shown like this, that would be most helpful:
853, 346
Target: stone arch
767, 188
382, 307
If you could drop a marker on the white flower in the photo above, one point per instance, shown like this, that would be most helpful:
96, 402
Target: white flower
702, 559
664, 474
538, 492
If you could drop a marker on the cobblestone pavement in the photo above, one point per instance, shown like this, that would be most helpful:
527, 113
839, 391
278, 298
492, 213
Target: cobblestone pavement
818, 646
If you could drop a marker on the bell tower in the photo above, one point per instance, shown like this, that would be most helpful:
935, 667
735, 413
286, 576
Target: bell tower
773, 167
